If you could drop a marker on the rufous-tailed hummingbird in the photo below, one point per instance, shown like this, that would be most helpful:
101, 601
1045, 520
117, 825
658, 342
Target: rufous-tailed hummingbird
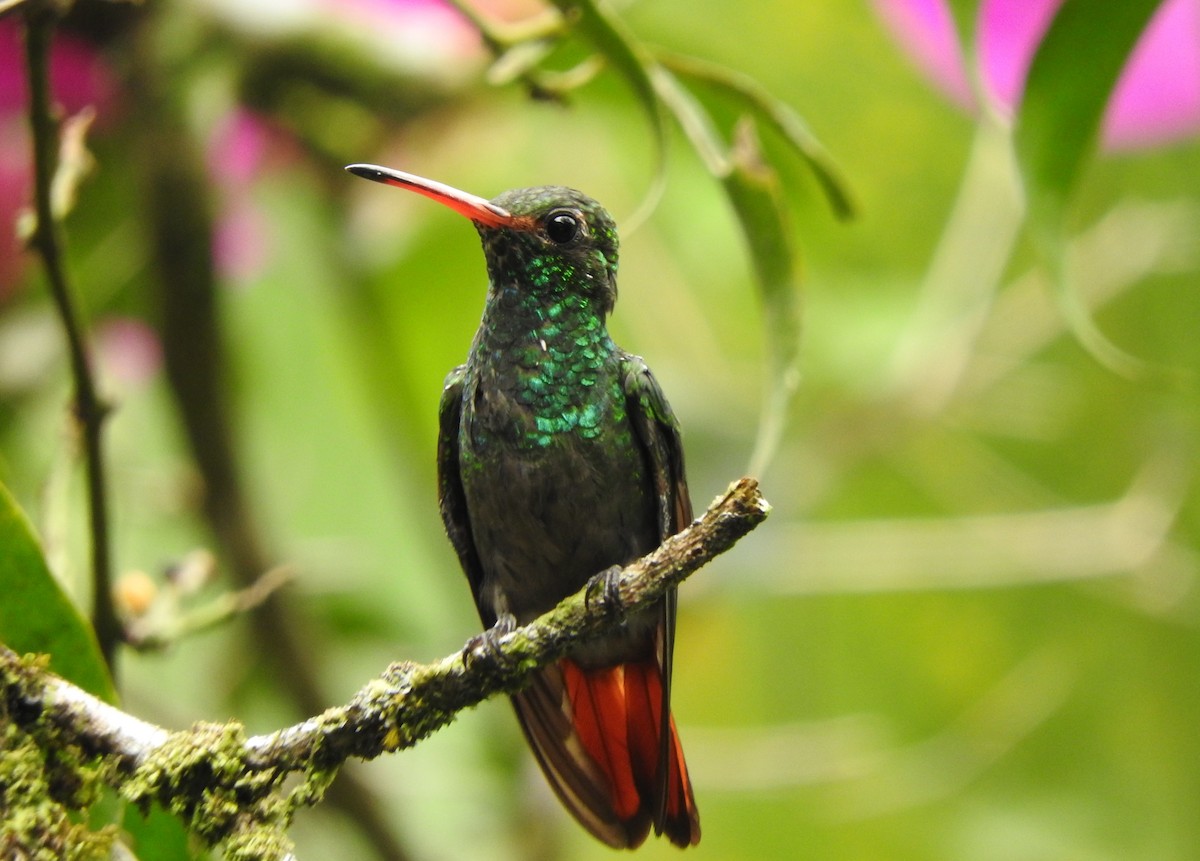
559, 458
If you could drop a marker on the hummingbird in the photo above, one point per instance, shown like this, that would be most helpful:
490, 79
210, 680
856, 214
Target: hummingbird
559, 459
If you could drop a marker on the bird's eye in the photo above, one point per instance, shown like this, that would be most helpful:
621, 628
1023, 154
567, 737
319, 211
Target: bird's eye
562, 226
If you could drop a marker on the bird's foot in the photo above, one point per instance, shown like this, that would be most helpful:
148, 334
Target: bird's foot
604, 589
485, 647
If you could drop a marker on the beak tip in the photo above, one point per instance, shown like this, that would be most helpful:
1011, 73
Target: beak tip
475, 208
366, 171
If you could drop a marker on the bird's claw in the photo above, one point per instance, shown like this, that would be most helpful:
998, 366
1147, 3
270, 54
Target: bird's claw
485, 646
605, 589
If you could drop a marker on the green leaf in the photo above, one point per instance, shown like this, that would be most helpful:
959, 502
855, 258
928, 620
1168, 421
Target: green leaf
753, 190
1070, 80
779, 116
36, 615
695, 122
609, 37
158, 836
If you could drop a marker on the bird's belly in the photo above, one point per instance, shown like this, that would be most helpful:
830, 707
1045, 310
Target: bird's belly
544, 521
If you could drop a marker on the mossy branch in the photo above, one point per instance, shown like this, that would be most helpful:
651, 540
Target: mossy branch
226, 786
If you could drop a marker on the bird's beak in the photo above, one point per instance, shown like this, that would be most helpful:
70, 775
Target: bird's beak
475, 208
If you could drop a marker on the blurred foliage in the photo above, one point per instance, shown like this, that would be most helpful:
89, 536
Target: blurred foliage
36, 616
969, 629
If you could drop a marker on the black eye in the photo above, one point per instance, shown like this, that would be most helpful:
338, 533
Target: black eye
562, 226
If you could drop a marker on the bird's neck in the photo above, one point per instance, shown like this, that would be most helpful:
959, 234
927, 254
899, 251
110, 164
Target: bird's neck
552, 356
529, 328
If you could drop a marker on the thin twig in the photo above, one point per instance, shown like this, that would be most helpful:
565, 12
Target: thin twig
88, 408
150, 634
500, 36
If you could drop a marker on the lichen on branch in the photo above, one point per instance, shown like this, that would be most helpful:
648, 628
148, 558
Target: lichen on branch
227, 788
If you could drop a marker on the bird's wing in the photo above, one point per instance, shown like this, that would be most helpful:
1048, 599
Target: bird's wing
657, 430
451, 499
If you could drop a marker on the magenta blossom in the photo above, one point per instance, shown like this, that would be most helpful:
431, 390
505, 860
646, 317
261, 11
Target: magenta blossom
78, 78
237, 151
425, 32
128, 351
1157, 98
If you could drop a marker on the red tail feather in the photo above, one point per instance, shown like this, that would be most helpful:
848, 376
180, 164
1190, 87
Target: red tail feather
598, 701
617, 716
681, 807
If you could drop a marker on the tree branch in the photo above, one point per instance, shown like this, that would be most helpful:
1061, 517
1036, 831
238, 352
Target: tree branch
215, 767
40, 19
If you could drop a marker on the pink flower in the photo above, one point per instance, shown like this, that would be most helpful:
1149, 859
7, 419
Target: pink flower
237, 152
78, 77
1157, 98
128, 350
14, 192
426, 32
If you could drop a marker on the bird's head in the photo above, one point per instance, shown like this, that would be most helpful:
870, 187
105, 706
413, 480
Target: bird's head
548, 240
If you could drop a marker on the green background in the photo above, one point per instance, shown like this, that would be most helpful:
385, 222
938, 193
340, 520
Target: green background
967, 631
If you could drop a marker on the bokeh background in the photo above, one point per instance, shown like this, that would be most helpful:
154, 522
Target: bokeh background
967, 631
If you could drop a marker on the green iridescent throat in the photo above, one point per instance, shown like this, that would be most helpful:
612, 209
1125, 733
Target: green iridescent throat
559, 358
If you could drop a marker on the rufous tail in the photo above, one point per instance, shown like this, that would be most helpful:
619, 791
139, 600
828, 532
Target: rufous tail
617, 716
